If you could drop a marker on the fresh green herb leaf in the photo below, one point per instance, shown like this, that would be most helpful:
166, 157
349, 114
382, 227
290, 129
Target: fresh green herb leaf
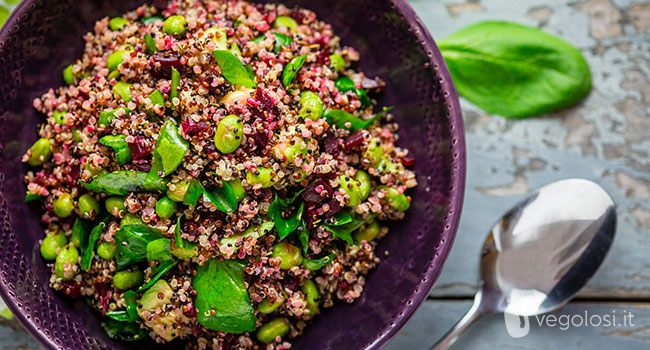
106, 117
341, 218
254, 231
291, 70
163, 268
281, 40
222, 300
119, 145
345, 84
152, 19
150, 44
82, 229
344, 232
175, 85
303, 236
222, 197
514, 70
132, 243
125, 331
131, 299
317, 264
342, 118
119, 315
285, 226
232, 69
170, 148
159, 250
30, 197
121, 183
88, 250
157, 99
194, 192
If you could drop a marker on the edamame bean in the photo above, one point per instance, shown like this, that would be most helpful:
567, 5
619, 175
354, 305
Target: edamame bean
115, 206
88, 206
65, 260
130, 219
178, 192
396, 200
94, 171
174, 25
75, 238
114, 59
337, 62
289, 253
64, 205
365, 184
229, 134
368, 234
311, 296
59, 116
351, 188
123, 89
266, 307
39, 152
106, 250
68, 75
116, 23
284, 21
272, 329
289, 152
237, 189
218, 37
312, 106
127, 279
51, 243
263, 176
165, 207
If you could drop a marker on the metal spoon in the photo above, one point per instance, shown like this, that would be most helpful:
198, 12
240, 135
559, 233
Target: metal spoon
542, 252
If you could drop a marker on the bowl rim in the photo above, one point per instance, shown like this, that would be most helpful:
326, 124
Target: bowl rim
457, 133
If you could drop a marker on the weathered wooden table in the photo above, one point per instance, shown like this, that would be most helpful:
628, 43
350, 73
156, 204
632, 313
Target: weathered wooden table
605, 139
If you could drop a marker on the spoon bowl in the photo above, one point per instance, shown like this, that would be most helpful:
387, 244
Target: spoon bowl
542, 252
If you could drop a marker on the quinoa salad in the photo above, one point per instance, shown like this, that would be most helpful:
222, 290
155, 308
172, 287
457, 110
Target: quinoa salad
215, 174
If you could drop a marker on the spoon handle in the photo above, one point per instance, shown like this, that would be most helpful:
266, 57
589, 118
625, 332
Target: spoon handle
478, 309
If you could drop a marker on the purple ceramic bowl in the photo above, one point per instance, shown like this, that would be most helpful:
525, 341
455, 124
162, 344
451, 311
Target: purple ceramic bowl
41, 37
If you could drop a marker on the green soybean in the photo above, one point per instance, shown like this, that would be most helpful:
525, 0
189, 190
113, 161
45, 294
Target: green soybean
237, 189
63, 205
114, 59
312, 106
351, 188
115, 206
178, 193
311, 296
266, 307
127, 279
130, 219
263, 176
165, 207
88, 206
106, 250
174, 25
39, 152
337, 62
152, 19
284, 21
396, 200
272, 329
59, 116
51, 244
365, 185
117, 23
229, 134
368, 234
218, 37
65, 260
123, 89
289, 253
68, 75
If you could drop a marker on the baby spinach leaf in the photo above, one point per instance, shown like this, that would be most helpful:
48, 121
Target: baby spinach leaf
119, 315
344, 232
159, 250
514, 70
106, 117
119, 145
303, 236
82, 228
280, 41
253, 231
194, 192
121, 183
222, 300
89, 251
150, 44
284, 225
132, 243
170, 148
345, 84
317, 264
222, 197
292, 69
163, 268
130, 297
341, 218
30, 197
342, 118
125, 331
232, 69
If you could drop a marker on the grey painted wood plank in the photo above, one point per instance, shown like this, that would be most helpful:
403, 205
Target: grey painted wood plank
603, 139
434, 318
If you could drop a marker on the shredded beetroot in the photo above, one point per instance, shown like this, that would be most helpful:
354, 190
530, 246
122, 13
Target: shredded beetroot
265, 100
317, 192
331, 145
167, 60
353, 141
298, 16
191, 228
104, 295
189, 310
142, 165
71, 289
335, 207
193, 128
73, 175
408, 161
138, 148
323, 57
261, 139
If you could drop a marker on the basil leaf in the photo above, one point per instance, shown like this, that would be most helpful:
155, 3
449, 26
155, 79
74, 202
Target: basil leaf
125, 331
254, 231
82, 228
344, 232
162, 270
130, 297
232, 69
284, 225
150, 44
303, 236
30, 197
281, 40
222, 197
292, 69
341, 218
119, 315
222, 300
89, 251
317, 264
119, 145
106, 117
193, 193
346, 84
170, 148
121, 183
159, 250
157, 99
341, 118
132, 243
515, 71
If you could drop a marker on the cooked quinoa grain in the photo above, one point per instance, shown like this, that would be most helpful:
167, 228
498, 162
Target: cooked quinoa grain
220, 152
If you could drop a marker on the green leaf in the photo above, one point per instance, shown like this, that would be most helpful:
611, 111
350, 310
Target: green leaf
194, 192
232, 69
514, 70
159, 250
163, 268
132, 241
106, 117
317, 264
291, 70
119, 315
121, 183
253, 231
342, 118
82, 229
341, 218
170, 148
303, 236
176, 83
222, 197
125, 331
285, 226
281, 40
345, 84
131, 299
150, 44
89, 251
344, 232
222, 300
119, 145
30, 197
